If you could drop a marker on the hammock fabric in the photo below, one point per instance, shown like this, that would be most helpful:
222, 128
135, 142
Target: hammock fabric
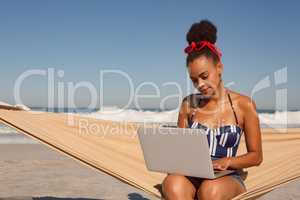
113, 147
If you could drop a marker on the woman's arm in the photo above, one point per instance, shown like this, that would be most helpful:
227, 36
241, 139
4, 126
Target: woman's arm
254, 155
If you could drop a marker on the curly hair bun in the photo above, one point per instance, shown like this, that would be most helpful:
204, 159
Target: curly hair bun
202, 31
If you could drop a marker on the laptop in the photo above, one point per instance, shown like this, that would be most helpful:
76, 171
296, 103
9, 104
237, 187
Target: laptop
183, 151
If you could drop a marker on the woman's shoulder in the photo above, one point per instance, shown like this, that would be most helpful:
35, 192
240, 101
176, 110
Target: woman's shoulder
193, 101
190, 103
244, 102
187, 101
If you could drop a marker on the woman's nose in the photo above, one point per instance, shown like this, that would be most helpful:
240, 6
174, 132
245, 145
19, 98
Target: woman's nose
200, 84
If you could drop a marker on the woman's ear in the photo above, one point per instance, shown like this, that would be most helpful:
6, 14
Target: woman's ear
220, 67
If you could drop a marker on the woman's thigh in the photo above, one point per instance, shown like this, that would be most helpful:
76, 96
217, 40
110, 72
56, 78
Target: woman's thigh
223, 188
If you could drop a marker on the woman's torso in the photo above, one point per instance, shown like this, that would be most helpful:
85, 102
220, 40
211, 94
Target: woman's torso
223, 140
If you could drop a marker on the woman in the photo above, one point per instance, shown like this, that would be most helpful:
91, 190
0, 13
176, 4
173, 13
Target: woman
224, 114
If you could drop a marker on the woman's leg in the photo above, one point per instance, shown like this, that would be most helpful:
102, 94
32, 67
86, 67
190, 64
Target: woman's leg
224, 188
178, 187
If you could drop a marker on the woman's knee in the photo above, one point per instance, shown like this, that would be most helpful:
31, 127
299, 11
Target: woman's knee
177, 187
210, 190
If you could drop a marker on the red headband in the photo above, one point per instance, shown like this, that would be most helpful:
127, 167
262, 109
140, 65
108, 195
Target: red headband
200, 45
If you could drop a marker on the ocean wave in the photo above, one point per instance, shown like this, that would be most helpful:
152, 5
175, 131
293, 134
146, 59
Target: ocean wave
289, 117
131, 115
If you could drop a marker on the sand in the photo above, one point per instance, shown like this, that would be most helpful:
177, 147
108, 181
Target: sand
34, 170
290, 191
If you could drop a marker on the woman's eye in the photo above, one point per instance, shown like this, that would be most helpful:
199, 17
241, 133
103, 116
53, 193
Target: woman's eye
204, 76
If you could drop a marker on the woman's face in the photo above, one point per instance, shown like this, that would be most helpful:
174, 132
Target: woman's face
205, 75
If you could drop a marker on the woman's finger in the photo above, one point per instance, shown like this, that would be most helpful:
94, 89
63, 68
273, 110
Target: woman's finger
217, 166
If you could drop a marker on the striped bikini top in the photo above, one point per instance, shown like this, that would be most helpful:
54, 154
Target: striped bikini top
223, 141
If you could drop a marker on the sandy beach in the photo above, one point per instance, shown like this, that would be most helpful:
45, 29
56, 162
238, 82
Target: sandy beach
34, 171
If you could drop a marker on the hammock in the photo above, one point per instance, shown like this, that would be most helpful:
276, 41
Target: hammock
113, 147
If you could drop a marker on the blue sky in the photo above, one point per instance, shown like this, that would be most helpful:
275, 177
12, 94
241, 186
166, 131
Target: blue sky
145, 39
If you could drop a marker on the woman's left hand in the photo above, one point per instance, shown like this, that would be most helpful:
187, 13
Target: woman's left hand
222, 163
